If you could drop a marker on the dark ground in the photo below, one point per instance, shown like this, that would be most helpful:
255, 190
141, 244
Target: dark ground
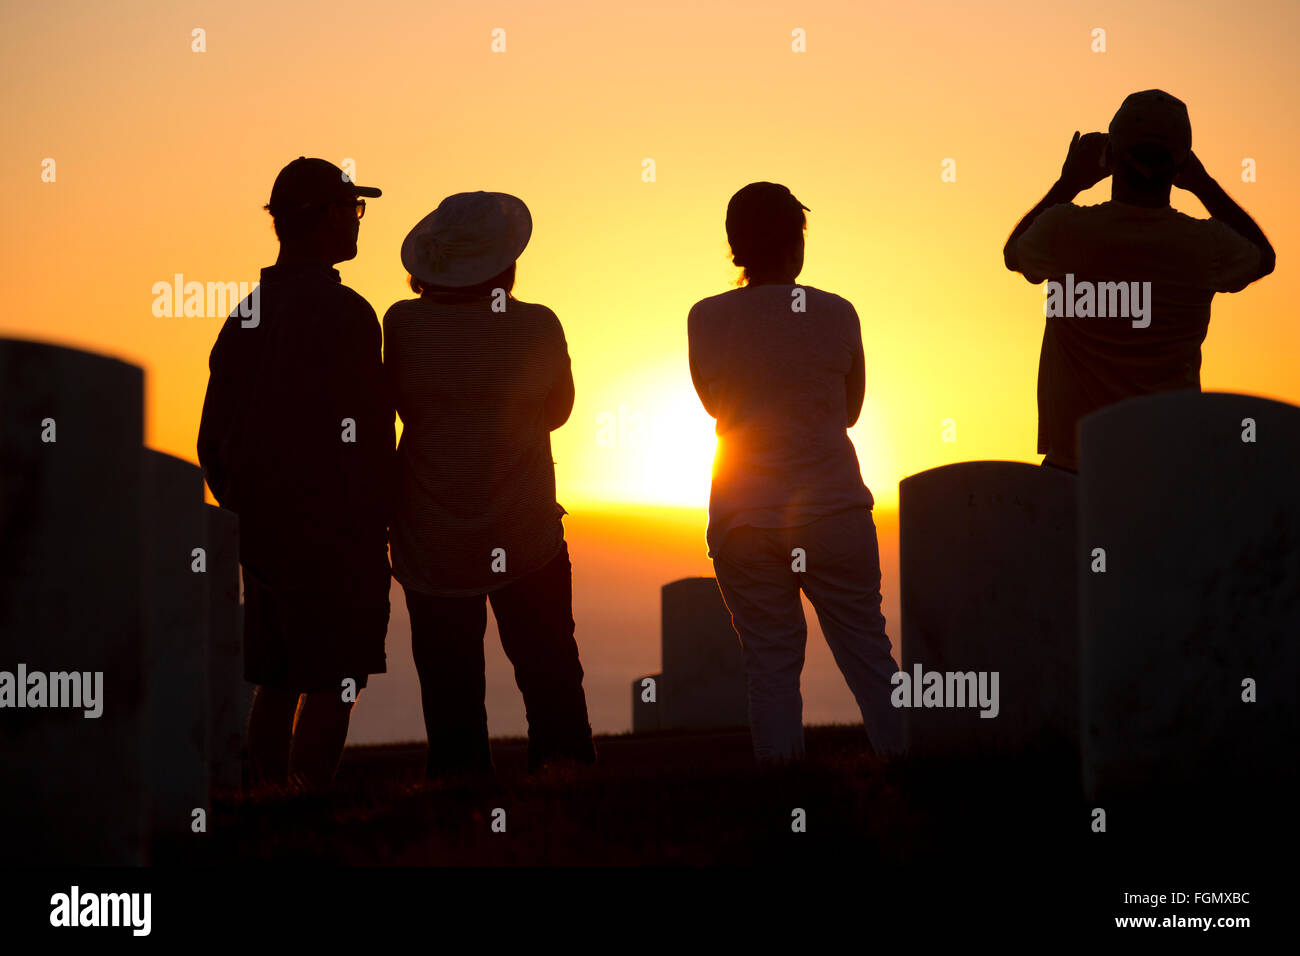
696, 799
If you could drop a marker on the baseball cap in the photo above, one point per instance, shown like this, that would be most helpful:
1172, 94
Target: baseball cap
312, 182
1151, 116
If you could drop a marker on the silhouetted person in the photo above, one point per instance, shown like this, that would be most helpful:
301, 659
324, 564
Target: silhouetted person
1089, 361
481, 380
297, 437
781, 368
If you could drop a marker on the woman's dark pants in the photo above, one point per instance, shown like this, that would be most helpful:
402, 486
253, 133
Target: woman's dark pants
535, 619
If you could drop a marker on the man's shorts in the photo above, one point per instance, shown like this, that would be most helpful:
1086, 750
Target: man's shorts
309, 641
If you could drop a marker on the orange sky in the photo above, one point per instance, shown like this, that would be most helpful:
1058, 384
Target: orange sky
164, 157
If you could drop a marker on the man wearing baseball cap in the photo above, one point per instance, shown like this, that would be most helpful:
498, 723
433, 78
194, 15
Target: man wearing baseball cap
1088, 362
297, 437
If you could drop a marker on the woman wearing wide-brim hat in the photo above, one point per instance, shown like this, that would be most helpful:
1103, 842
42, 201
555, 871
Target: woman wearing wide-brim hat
480, 381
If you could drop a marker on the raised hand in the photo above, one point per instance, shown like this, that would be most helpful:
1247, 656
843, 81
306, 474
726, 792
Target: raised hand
1084, 164
1192, 176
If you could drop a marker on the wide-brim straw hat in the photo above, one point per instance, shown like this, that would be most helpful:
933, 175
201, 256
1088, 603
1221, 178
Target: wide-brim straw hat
468, 239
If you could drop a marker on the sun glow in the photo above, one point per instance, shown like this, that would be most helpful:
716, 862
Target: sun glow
657, 446
658, 451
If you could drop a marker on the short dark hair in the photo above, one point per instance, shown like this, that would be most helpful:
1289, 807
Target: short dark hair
502, 280
299, 224
763, 230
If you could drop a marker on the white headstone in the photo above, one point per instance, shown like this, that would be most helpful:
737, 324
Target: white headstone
70, 583
176, 647
1193, 498
227, 712
986, 552
703, 683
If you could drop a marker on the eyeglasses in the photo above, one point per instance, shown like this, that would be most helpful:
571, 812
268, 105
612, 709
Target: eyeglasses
360, 205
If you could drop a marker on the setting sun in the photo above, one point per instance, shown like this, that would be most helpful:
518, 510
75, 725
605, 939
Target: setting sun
656, 448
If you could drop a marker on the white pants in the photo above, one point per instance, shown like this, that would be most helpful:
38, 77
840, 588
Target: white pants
756, 573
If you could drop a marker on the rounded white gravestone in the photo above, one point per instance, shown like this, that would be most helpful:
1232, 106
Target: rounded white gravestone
986, 556
1192, 498
71, 427
703, 682
176, 647
225, 651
